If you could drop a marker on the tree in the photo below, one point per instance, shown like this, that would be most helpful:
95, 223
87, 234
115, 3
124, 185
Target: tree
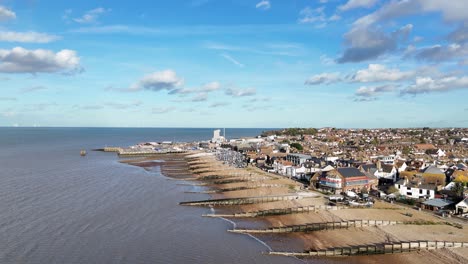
406, 150
296, 146
458, 190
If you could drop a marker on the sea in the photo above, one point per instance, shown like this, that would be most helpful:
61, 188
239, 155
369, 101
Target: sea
59, 207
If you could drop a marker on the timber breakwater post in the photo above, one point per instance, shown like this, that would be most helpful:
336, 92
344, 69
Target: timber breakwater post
385, 248
246, 200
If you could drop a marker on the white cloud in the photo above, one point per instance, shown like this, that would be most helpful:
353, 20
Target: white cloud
210, 87
316, 16
91, 16
429, 85
372, 91
264, 4
231, 59
309, 15
200, 97
380, 73
6, 14
451, 10
27, 37
364, 43
157, 81
352, 4
367, 40
240, 92
20, 60
325, 60
438, 53
323, 78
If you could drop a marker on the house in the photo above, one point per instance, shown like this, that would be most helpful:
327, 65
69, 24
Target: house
400, 165
415, 189
297, 159
462, 207
386, 171
424, 147
280, 166
341, 179
369, 168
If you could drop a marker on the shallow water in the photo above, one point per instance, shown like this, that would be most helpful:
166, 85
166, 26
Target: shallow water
58, 207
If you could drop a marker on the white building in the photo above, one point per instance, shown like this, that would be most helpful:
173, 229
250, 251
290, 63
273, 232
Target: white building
415, 191
217, 138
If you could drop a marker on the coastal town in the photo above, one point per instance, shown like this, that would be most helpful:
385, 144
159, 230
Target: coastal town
331, 192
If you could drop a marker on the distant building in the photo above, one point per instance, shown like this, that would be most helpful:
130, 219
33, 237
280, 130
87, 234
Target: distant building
341, 179
217, 138
415, 189
297, 159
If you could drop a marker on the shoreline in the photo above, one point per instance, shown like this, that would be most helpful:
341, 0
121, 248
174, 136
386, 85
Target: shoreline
202, 168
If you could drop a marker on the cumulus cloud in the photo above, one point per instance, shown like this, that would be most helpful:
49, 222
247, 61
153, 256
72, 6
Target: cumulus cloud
460, 35
380, 73
200, 97
323, 78
210, 87
373, 91
6, 14
240, 92
364, 43
428, 85
20, 60
352, 4
27, 37
366, 39
91, 16
438, 53
264, 4
157, 81
204, 89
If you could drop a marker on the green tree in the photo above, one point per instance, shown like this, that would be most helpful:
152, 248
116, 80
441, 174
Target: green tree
458, 190
406, 150
296, 146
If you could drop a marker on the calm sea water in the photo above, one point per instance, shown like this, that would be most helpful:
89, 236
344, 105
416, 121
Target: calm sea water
58, 207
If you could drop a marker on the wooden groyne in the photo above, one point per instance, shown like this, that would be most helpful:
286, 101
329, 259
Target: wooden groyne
279, 211
320, 226
247, 200
112, 149
385, 248
138, 153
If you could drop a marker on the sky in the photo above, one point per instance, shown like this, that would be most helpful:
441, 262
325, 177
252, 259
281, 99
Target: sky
234, 63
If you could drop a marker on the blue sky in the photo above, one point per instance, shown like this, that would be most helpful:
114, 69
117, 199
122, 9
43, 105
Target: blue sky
234, 63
